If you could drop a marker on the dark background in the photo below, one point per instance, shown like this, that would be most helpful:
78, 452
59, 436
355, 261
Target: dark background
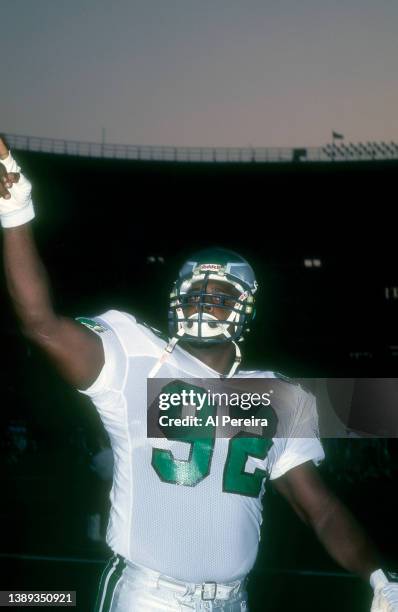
101, 227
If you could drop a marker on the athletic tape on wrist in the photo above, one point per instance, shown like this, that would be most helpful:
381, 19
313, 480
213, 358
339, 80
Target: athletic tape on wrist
24, 214
18, 217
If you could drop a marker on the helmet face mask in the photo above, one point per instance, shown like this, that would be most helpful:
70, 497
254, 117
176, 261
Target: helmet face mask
212, 302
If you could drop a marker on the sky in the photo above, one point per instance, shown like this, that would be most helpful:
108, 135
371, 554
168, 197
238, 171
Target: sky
200, 73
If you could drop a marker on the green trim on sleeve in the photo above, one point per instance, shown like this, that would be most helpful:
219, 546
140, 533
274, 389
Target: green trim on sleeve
92, 324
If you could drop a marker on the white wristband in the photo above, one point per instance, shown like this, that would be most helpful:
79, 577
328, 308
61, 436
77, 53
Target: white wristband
18, 217
18, 209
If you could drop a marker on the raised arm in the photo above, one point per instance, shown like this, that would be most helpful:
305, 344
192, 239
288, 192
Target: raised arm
76, 351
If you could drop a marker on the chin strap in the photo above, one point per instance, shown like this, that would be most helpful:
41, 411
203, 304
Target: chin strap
171, 346
238, 359
166, 353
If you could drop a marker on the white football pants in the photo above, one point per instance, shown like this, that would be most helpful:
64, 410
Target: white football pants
126, 587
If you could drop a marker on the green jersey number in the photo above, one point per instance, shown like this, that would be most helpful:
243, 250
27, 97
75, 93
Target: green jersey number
191, 471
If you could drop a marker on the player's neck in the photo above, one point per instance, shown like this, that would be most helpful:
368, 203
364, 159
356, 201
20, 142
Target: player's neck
219, 357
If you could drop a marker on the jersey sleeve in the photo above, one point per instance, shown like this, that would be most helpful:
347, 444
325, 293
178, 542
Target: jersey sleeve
302, 442
110, 379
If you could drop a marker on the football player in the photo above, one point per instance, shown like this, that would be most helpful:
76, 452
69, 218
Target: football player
185, 519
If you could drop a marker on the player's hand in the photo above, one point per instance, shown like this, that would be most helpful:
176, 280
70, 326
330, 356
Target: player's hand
16, 207
385, 586
7, 179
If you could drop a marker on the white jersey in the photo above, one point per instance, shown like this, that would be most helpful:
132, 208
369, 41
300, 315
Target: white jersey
204, 532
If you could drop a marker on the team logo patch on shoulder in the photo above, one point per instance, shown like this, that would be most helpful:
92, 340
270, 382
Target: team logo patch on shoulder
91, 324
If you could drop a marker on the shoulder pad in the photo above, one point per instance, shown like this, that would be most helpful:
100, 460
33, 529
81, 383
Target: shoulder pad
285, 378
157, 332
297, 382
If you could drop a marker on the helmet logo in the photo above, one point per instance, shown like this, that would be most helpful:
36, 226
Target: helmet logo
212, 267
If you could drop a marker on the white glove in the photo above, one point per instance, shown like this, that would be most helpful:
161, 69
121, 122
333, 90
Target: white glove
385, 586
18, 209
